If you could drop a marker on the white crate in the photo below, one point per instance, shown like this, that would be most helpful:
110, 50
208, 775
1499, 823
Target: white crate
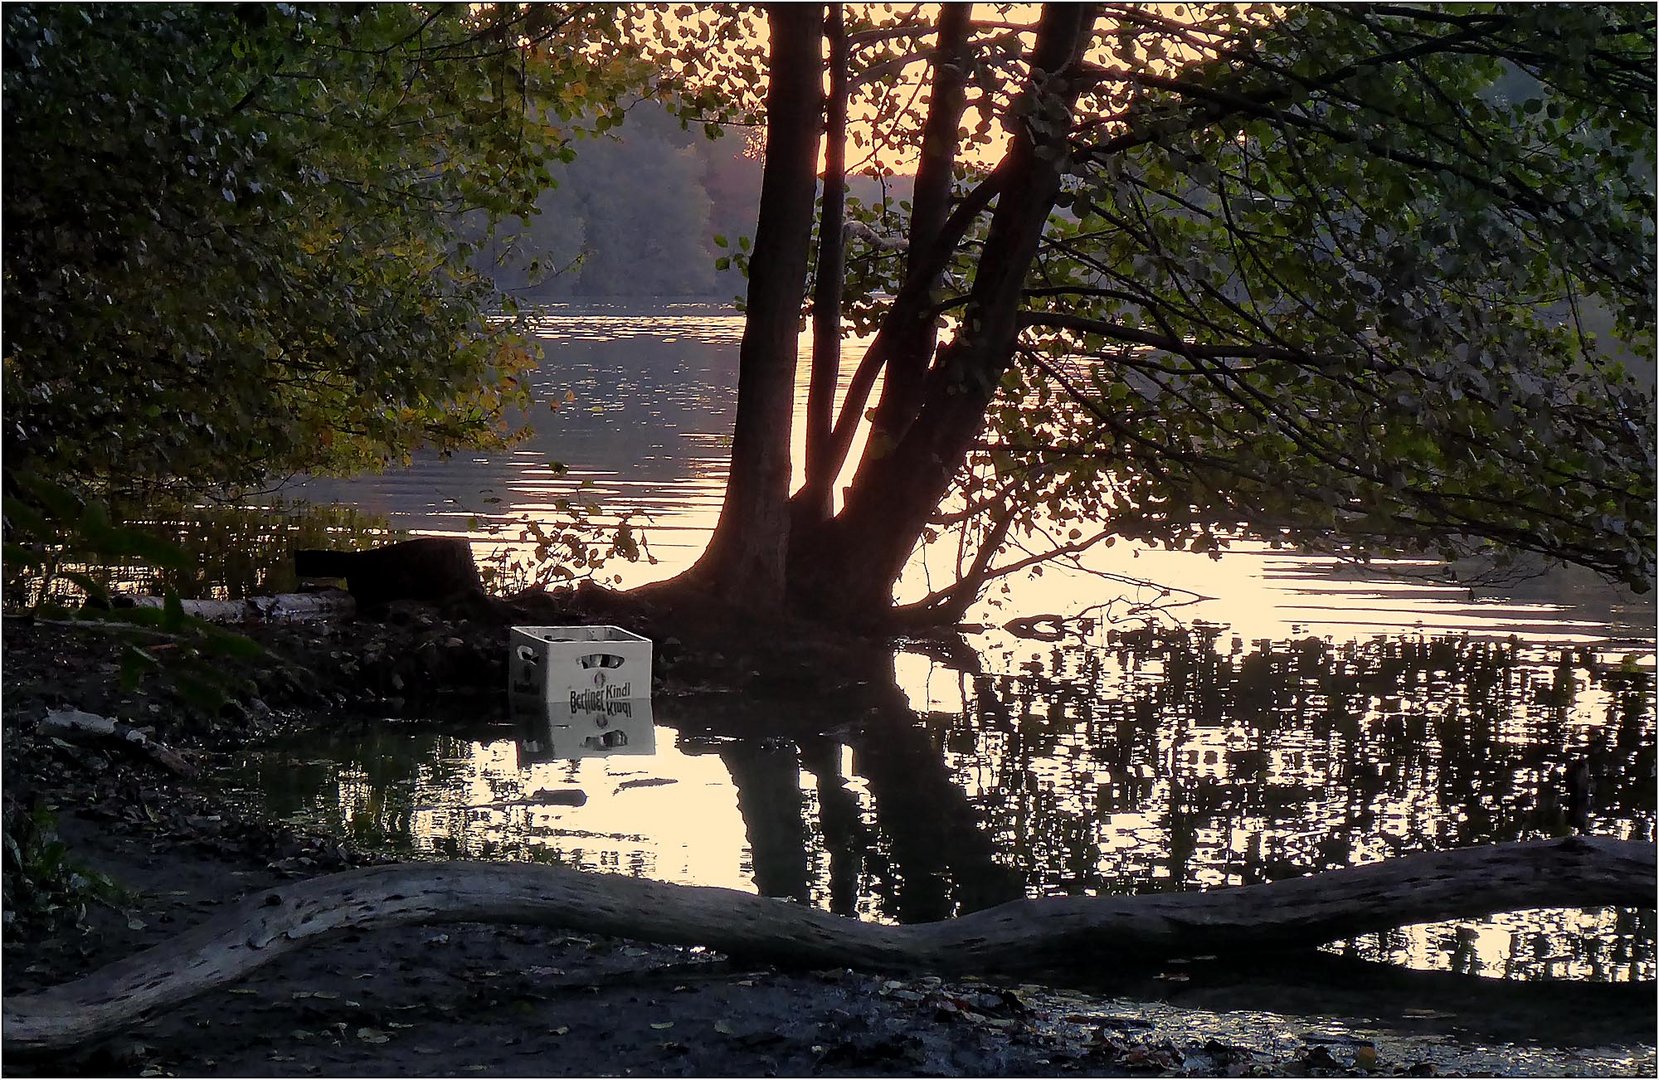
579, 666
553, 731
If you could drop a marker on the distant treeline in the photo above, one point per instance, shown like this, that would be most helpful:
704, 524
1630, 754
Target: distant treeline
637, 213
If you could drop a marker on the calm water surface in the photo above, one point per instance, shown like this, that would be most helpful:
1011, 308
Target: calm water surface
1292, 714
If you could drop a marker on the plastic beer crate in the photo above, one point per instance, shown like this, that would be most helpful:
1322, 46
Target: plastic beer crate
582, 667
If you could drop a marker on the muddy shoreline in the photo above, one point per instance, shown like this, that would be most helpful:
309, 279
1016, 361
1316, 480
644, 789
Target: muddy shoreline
461, 999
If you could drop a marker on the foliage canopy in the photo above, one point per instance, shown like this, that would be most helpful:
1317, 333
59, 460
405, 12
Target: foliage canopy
230, 244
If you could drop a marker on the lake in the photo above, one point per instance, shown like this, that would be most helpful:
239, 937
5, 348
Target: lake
1273, 715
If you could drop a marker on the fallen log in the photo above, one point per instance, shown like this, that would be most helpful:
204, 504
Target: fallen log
85, 727
1022, 937
281, 607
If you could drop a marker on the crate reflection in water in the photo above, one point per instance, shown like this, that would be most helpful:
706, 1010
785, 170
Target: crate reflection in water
554, 731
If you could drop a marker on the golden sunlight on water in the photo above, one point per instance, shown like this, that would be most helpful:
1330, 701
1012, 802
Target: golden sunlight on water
631, 818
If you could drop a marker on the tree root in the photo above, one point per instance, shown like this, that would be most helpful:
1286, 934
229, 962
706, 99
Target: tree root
1023, 937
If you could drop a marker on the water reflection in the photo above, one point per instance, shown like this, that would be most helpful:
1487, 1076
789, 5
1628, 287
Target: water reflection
634, 414
1180, 761
1245, 763
1139, 762
561, 731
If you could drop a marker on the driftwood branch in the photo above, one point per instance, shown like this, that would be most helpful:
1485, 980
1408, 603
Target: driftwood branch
85, 727
1026, 936
282, 607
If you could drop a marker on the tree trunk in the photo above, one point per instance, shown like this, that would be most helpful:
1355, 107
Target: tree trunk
905, 340
817, 507
1026, 936
930, 205
745, 559
848, 570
